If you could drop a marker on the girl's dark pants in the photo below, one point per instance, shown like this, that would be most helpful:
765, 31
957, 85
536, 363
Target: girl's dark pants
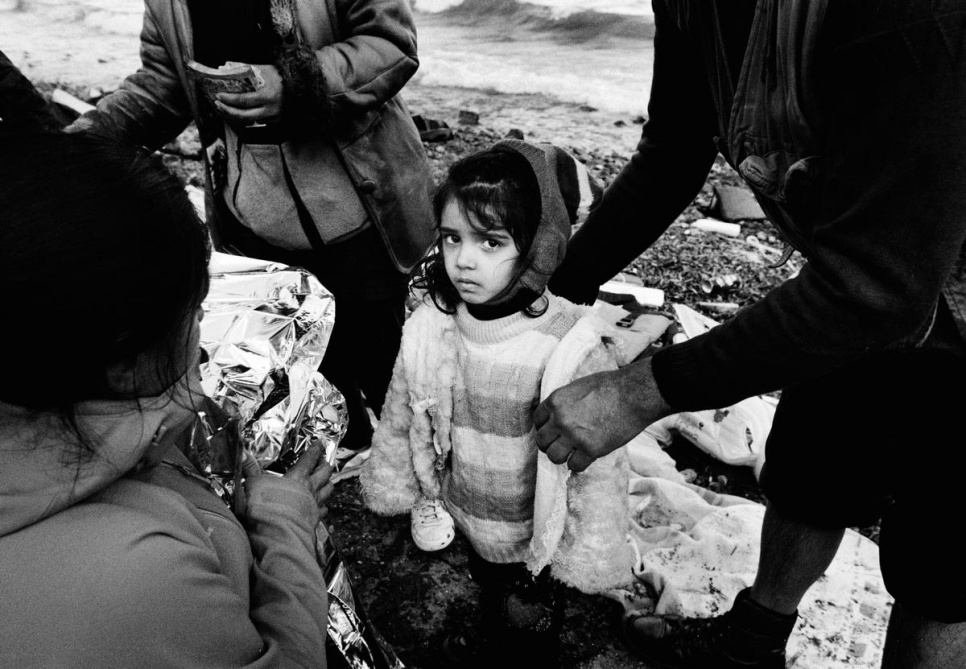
521, 617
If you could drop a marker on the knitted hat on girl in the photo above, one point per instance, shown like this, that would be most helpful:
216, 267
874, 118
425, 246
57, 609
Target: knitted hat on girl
567, 193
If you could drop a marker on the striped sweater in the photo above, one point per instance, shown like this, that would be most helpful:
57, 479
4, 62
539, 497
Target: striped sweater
458, 424
491, 479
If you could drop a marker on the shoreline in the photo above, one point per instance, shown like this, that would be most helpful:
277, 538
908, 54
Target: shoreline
89, 50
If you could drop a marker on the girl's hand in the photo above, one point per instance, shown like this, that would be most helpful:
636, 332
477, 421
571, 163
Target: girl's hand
314, 472
263, 105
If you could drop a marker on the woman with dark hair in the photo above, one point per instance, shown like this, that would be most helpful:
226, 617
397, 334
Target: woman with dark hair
113, 550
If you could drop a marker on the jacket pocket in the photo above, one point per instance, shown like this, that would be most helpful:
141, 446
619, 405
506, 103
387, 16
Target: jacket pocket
258, 195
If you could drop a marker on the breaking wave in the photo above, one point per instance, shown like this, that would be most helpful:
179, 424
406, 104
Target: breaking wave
589, 21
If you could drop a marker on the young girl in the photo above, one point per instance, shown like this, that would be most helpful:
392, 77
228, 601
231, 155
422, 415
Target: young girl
457, 429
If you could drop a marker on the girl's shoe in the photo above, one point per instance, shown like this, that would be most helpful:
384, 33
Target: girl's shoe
431, 525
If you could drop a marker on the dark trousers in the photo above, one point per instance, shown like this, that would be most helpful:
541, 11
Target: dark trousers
521, 616
370, 295
879, 439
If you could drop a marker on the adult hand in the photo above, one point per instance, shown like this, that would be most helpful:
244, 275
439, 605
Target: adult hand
315, 474
597, 414
262, 105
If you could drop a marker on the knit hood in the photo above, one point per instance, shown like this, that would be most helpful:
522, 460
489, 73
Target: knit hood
567, 193
44, 469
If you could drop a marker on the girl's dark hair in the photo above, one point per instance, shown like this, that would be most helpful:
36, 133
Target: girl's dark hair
102, 257
495, 188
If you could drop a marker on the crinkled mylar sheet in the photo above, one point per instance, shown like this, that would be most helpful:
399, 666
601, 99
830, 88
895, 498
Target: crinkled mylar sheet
265, 330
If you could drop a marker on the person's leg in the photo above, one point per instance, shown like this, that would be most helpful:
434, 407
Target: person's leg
914, 642
338, 366
534, 612
827, 467
793, 556
370, 296
921, 552
482, 644
754, 633
373, 328
340, 268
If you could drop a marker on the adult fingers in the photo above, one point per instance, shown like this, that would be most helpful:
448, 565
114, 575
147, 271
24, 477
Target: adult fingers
558, 451
546, 435
321, 476
306, 463
243, 115
579, 461
542, 414
241, 100
250, 466
323, 493
547, 430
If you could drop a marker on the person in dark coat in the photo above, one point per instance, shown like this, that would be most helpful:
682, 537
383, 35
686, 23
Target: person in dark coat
846, 120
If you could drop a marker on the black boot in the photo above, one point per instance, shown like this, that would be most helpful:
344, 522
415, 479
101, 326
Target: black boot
749, 636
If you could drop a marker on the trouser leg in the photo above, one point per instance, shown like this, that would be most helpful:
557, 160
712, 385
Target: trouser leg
370, 296
360, 355
521, 617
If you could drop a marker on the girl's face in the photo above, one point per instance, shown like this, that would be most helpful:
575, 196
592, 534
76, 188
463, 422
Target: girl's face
480, 263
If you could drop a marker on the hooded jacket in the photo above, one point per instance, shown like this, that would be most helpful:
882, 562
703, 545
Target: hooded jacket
124, 558
341, 77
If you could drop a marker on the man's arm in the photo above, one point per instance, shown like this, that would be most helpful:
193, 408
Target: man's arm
667, 171
894, 197
892, 225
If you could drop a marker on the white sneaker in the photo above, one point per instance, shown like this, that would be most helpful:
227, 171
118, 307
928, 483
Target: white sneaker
431, 525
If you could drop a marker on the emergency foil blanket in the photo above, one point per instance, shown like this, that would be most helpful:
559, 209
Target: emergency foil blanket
264, 332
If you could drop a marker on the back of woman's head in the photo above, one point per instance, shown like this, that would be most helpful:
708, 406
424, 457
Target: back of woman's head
495, 189
102, 257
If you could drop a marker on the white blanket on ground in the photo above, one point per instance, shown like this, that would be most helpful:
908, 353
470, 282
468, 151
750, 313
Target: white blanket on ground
698, 549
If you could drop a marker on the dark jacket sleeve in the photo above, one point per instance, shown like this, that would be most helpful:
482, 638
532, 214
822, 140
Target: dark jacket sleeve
150, 107
892, 226
668, 169
373, 58
22, 107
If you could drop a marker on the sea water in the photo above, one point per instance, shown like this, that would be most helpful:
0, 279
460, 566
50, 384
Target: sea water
591, 52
